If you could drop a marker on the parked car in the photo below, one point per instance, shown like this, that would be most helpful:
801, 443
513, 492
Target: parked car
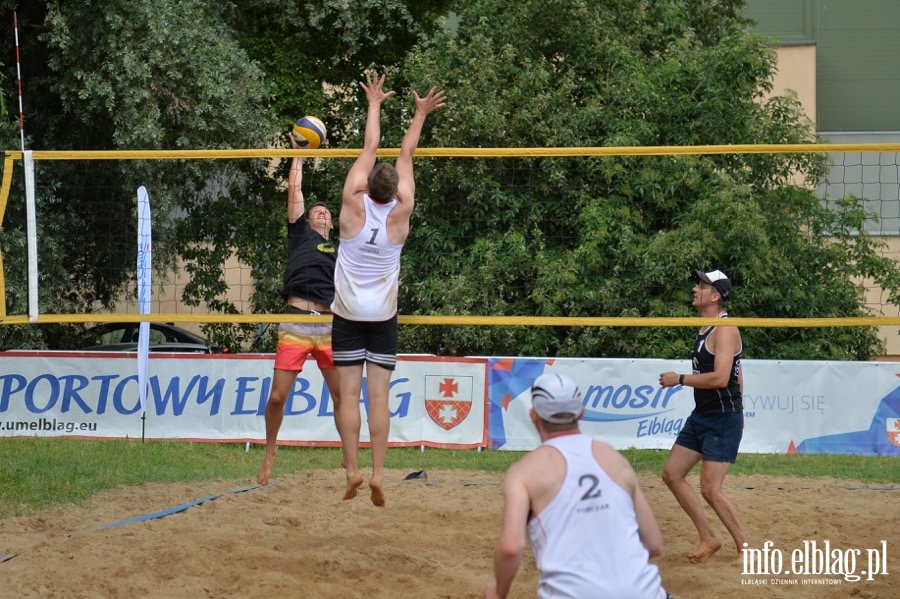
123, 337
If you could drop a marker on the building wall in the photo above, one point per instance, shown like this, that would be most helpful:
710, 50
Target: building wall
797, 73
857, 45
873, 176
858, 80
876, 300
166, 296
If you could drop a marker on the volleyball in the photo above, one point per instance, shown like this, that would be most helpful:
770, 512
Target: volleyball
309, 132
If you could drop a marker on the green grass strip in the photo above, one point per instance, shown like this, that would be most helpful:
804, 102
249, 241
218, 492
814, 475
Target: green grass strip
38, 473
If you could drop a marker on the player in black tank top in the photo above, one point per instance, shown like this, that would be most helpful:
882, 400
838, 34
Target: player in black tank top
308, 289
726, 399
713, 431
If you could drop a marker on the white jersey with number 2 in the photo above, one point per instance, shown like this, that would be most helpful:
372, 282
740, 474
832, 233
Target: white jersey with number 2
585, 542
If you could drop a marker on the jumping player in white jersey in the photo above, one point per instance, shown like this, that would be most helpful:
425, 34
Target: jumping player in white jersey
377, 202
578, 501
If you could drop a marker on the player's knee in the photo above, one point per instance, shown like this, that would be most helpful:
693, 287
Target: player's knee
276, 400
710, 493
668, 477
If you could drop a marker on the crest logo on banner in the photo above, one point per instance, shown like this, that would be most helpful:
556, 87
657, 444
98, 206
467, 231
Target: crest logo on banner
448, 399
893, 430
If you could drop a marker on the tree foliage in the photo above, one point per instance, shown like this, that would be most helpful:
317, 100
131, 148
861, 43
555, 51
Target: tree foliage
313, 52
129, 75
511, 236
196, 74
620, 236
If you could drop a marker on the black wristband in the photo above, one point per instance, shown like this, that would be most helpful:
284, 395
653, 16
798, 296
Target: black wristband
680, 379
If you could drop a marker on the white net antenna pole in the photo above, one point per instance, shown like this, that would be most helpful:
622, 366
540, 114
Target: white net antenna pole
31, 212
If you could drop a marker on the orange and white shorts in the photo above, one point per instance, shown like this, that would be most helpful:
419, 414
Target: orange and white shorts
297, 340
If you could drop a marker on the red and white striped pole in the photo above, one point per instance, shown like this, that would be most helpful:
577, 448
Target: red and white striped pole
19, 76
30, 207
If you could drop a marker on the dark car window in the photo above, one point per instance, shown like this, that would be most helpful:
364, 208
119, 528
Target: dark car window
163, 337
105, 335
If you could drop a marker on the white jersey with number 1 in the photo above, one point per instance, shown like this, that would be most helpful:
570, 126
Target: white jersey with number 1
367, 272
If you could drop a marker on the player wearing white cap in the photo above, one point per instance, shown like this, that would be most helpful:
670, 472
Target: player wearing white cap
578, 501
713, 431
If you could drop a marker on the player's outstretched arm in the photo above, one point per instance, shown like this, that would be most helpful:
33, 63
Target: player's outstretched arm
648, 528
295, 201
358, 175
406, 186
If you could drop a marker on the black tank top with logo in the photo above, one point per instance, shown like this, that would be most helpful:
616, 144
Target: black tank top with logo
709, 401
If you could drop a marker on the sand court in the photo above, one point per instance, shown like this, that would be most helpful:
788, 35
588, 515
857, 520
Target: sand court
297, 538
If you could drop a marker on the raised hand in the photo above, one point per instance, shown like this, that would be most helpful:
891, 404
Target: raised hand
434, 100
374, 85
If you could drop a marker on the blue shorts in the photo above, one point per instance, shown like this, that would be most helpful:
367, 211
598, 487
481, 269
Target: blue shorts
716, 436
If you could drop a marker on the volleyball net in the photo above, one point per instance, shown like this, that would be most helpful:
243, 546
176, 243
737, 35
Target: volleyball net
591, 239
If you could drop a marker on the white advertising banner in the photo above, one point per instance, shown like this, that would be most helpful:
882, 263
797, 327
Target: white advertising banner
437, 402
789, 406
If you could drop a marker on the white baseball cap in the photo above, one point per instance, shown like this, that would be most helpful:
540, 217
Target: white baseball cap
556, 398
717, 279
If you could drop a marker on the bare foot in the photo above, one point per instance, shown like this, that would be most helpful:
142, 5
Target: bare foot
377, 491
749, 560
265, 471
354, 481
705, 551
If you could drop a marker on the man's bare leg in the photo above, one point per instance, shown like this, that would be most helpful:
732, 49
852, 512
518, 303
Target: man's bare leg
378, 383
333, 381
282, 381
348, 423
679, 463
712, 477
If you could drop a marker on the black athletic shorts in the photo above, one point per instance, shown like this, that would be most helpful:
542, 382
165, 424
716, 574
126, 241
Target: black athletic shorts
355, 342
